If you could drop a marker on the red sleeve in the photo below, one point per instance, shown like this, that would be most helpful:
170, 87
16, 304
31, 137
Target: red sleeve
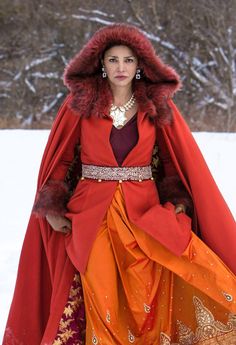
53, 197
170, 186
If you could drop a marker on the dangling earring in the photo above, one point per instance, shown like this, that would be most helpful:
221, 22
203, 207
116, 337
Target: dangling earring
138, 76
104, 73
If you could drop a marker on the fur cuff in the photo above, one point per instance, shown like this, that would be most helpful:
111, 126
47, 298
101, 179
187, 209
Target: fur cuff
52, 199
172, 189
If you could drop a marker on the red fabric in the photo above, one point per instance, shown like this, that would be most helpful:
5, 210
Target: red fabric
52, 199
215, 221
45, 270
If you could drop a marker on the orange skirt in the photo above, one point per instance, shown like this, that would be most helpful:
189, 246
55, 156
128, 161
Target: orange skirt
136, 291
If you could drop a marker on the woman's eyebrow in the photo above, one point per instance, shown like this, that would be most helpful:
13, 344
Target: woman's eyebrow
125, 57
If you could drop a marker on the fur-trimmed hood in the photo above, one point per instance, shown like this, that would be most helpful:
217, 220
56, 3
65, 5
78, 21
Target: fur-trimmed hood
92, 94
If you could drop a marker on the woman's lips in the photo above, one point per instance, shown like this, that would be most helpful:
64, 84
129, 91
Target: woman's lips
121, 77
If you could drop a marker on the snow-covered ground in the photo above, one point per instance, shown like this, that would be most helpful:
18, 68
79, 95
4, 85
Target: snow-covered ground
20, 154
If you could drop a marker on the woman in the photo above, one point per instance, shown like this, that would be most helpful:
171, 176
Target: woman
140, 233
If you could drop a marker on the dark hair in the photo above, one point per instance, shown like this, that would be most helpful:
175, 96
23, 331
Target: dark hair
113, 44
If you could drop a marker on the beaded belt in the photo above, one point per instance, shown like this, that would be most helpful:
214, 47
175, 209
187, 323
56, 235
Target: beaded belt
116, 173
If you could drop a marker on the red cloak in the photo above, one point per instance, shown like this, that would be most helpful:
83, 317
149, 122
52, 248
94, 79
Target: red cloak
45, 270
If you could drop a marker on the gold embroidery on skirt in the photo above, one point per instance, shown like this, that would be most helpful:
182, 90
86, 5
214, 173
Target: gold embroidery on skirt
94, 339
208, 332
65, 331
131, 337
108, 316
227, 296
164, 339
146, 308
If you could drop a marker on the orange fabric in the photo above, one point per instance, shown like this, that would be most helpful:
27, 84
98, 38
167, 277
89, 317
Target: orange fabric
135, 290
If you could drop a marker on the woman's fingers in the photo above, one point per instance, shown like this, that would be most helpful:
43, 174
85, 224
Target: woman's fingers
67, 227
64, 229
179, 208
59, 223
68, 224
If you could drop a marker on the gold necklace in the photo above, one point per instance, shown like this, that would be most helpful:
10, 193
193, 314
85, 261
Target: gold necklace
118, 113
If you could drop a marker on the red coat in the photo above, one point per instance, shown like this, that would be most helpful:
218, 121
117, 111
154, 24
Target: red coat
91, 199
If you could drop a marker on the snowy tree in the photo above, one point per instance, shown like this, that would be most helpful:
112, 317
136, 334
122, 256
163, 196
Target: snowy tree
39, 38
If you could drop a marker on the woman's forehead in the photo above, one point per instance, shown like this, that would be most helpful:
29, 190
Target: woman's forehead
119, 50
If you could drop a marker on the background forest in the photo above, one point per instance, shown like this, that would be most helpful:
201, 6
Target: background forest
39, 37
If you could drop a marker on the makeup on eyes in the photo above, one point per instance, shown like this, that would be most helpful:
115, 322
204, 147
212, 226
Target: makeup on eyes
117, 58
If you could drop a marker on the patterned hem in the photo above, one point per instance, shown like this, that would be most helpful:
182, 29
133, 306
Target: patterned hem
208, 332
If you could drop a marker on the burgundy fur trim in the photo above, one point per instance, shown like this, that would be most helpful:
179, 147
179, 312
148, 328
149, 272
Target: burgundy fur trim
52, 199
172, 189
91, 93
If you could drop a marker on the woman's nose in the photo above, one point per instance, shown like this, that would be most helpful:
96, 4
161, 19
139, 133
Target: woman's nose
120, 66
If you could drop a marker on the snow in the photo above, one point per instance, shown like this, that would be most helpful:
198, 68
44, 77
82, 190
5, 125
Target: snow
97, 12
38, 61
167, 45
18, 175
152, 36
92, 19
50, 75
30, 86
48, 107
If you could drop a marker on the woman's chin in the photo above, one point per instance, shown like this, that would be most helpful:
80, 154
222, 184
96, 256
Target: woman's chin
121, 82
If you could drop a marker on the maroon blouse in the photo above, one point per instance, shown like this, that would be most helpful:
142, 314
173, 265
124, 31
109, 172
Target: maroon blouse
124, 139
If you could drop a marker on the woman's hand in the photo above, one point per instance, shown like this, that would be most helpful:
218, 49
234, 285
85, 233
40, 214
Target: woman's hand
180, 208
59, 223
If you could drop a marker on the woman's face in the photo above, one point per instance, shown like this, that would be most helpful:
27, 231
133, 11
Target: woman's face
120, 65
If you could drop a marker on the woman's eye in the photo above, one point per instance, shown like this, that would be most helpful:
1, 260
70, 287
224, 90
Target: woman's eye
129, 60
112, 60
